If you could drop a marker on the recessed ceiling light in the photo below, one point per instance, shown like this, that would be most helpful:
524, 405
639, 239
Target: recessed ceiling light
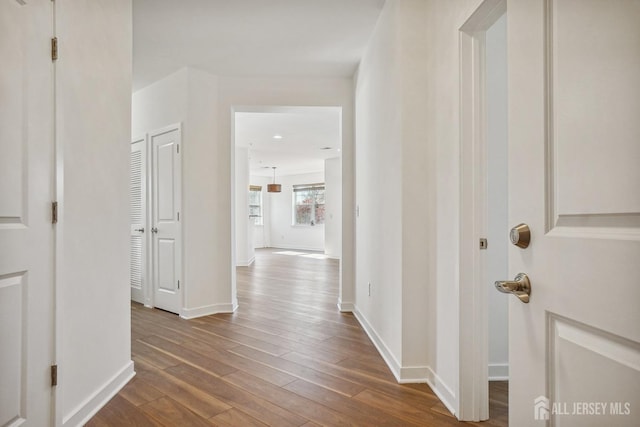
277, 136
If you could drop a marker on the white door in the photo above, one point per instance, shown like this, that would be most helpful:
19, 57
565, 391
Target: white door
138, 197
166, 230
574, 155
26, 230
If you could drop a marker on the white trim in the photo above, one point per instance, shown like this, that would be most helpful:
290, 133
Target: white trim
382, 348
245, 263
440, 389
414, 374
346, 307
408, 374
207, 310
498, 372
98, 399
473, 334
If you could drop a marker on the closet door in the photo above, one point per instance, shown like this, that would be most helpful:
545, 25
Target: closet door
166, 229
138, 194
26, 229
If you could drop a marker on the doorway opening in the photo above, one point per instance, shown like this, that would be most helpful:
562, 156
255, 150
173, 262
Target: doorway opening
497, 262
484, 360
299, 149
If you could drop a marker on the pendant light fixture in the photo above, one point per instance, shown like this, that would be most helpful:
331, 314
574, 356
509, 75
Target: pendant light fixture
274, 188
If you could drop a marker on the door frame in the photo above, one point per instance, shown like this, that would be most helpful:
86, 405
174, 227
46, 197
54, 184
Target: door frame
473, 391
347, 208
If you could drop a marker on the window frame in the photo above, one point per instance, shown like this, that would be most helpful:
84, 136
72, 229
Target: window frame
257, 219
297, 188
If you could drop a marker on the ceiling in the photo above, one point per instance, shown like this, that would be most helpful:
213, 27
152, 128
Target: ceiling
309, 136
267, 38
324, 38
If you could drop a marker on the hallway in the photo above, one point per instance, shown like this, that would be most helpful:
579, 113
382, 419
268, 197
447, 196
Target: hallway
287, 357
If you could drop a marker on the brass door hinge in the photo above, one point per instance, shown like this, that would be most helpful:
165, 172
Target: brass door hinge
54, 375
54, 48
54, 212
178, 284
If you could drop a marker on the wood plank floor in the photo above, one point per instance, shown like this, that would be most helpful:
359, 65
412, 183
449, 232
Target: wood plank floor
287, 357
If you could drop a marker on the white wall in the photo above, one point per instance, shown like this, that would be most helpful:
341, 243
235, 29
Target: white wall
93, 125
333, 206
497, 261
189, 97
442, 120
282, 231
245, 253
407, 187
393, 193
205, 104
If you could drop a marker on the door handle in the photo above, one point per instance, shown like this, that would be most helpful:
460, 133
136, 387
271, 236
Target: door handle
139, 229
520, 287
154, 230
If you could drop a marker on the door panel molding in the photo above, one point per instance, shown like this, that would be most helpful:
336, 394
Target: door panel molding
572, 344
13, 311
588, 205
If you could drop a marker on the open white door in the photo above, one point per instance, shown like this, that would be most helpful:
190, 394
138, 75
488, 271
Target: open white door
26, 230
138, 197
574, 151
166, 229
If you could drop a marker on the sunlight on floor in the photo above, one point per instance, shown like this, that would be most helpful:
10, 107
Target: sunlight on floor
302, 254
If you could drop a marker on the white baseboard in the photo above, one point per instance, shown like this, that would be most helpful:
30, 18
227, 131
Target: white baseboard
332, 256
87, 409
498, 372
207, 310
414, 374
408, 374
440, 389
384, 351
245, 263
345, 307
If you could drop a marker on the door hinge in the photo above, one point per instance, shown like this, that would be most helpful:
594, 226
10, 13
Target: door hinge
178, 284
483, 243
178, 216
54, 212
54, 48
54, 375
178, 148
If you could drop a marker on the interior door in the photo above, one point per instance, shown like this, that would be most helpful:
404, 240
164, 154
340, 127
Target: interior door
166, 230
138, 197
26, 230
574, 150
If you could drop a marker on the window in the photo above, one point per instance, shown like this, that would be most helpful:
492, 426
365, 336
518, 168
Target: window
308, 204
255, 204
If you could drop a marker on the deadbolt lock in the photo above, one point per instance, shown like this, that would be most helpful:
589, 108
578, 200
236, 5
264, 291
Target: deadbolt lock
520, 235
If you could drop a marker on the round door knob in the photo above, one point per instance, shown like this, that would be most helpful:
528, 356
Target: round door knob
520, 235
